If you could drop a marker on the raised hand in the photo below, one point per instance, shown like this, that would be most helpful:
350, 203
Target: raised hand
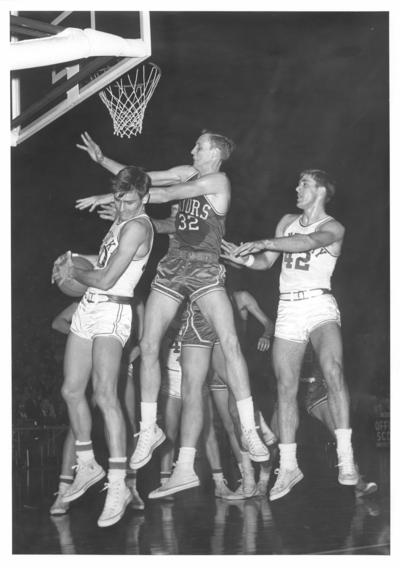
107, 212
90, 146
93, 201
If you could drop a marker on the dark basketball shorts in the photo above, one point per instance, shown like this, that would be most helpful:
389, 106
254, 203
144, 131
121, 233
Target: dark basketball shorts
196, 331
189, 275
215, 383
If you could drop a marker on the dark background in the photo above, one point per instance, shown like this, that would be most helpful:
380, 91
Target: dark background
294, 91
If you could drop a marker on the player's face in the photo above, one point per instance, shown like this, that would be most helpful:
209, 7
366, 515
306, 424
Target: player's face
127, 204
202, 151
307, 191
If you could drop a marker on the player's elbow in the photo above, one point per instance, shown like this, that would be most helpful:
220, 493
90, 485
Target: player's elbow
107, 281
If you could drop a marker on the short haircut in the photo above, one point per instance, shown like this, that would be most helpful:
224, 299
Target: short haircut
322, 179
225, 145
131, 178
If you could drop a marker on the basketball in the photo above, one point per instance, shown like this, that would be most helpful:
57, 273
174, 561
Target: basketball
72, 287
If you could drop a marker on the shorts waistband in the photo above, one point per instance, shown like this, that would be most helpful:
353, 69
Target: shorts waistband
194, 255
303, 294
96, 298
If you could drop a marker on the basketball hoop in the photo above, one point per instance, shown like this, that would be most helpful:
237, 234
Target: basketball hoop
126, 99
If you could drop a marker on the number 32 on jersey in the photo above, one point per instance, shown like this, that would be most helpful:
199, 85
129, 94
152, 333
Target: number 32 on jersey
187, 222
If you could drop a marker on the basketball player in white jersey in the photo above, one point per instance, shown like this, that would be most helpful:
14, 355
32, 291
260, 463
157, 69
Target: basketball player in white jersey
100, 328
311, 244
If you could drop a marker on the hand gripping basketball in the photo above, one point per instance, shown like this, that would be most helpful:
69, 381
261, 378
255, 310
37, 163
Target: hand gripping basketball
62, 274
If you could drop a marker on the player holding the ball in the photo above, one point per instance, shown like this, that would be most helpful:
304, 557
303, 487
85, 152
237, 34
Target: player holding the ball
99, 330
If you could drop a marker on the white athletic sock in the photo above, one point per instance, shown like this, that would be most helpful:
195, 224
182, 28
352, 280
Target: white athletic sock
343, 440
288, 458
84, 451
186, 457
246, 413
148, 413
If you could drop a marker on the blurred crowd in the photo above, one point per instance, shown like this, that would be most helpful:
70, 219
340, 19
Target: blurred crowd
37, 374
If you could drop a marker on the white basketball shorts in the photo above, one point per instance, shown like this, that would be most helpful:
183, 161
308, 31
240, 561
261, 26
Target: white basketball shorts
297, 319
102, 319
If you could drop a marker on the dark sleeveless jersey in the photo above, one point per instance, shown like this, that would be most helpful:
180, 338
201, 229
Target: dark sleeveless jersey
198, 226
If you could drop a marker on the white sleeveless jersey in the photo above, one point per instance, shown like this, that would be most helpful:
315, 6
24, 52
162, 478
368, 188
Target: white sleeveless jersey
306, 270
126, 283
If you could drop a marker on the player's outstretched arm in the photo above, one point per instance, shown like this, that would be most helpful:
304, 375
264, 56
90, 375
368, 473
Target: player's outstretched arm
107, 212
171, 176
94, 201
261, 261
96, 154
331, 232
211, 184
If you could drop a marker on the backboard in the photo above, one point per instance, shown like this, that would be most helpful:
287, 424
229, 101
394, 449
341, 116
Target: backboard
59, 59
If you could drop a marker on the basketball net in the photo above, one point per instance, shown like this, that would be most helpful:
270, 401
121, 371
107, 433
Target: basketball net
126, 99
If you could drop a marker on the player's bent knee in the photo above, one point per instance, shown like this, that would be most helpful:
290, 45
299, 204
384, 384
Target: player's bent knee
149, 348
105, 398
72, 394
287, 389
230, 346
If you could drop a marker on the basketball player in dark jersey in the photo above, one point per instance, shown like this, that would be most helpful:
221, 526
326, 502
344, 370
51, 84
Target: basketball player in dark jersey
189, 271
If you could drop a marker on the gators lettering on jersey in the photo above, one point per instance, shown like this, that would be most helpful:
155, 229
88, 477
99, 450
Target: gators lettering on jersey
199, 226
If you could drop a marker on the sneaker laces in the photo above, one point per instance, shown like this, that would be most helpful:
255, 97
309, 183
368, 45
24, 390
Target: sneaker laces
112, 498
80, 466
144, 436
253, 441
279, 480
